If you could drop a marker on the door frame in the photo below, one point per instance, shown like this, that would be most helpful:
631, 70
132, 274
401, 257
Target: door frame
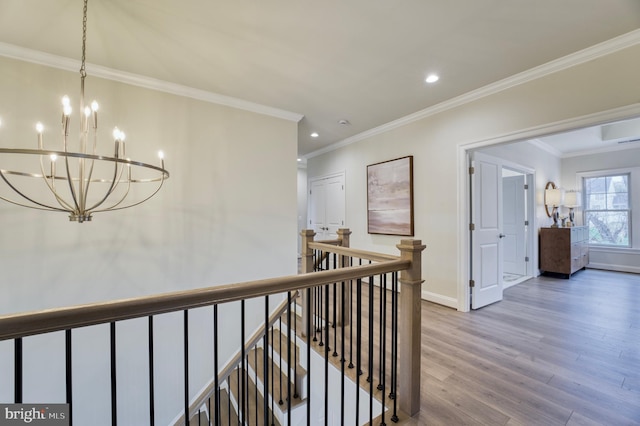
464, 249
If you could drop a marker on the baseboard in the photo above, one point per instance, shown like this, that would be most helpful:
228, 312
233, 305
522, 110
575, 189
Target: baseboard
450, 302
617, 268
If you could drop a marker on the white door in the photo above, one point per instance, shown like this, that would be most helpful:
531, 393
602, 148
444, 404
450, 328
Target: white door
486, 236
327, 206
513, 221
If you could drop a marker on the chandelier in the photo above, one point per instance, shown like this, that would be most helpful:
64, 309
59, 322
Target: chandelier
61, 180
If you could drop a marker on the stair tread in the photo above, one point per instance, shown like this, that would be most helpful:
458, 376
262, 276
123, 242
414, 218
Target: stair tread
226, 417
251, 400
295, 401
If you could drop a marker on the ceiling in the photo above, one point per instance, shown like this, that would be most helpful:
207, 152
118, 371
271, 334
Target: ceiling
364, 61
592, 140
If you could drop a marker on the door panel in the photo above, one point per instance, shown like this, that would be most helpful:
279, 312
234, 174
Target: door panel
514, 224
327, 206
486, 241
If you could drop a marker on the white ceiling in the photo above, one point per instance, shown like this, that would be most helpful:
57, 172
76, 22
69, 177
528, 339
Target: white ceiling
592, 140
360, 60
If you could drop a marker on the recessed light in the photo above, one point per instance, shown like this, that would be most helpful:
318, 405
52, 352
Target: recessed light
314, 135
432, 78
299, 159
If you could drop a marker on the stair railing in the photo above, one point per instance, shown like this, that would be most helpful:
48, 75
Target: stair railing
18, 327
386, 338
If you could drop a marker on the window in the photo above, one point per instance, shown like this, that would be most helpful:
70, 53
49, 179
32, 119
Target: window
607, 211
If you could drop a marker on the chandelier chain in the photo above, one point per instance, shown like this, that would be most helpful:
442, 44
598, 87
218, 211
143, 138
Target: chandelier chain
83, 72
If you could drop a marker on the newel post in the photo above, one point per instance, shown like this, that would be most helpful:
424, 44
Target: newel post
343, 313
306, 265
409, 324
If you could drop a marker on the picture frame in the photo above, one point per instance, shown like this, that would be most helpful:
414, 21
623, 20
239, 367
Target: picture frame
390, 197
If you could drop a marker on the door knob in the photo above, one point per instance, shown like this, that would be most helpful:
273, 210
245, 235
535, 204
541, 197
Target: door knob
501, 236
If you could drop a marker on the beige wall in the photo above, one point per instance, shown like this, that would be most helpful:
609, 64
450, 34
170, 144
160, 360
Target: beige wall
437, 142
227, 214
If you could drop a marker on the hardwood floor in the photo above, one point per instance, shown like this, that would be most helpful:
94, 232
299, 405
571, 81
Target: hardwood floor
553, 352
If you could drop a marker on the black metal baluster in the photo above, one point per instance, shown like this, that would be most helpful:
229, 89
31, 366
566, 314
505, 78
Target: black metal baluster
326, 357
216, 380
280, 402
114, 395
350, 318
185, 332
308, 356
265, 360
273, 343
342, 358
315, 314
321, 320
383, 344
152, 411
229, 401
288, 357
240, 395
255, 371
358, 345
335, 319
241, 382
17, 370
394, 346
69, 373
371, 351
381, 326
295, 348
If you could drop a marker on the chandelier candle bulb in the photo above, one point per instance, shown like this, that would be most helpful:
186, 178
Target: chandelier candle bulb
39, 129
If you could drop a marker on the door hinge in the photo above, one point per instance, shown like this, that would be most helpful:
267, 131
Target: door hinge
526, 186
472, 283
310, 191
472, 227
472, 170
526, 223
343, 222
343, 187
526, 258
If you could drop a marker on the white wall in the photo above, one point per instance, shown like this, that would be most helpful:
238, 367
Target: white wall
438, 142
227, 214
618, 259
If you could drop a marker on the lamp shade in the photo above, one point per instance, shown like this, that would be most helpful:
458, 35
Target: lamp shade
572, 199
554, 197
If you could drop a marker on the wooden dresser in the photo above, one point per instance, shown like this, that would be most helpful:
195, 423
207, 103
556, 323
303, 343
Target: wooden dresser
564, 250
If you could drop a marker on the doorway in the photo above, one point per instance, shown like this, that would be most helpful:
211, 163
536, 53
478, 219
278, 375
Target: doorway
517, 211
327, 206
500, 232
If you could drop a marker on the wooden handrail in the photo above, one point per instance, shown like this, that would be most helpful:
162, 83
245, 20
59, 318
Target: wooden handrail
347, 251
27, 324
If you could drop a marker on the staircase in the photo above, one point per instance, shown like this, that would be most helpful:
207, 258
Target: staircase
350, 322
236, 393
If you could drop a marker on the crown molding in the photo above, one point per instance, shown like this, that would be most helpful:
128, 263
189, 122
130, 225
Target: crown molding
599, 50
67, 64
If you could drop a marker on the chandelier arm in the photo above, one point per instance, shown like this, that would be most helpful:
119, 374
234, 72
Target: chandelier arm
42, 206
139, 202
114, 184
52, 188
92, 163
69, 179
